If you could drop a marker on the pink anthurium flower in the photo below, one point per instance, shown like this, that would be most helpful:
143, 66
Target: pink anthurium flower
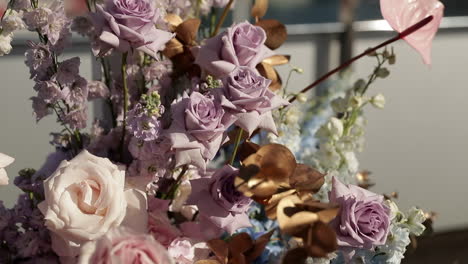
76, 7
5, 160
402, 14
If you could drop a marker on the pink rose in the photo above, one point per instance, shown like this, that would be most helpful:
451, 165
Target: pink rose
247, 97
185, 251
85, 198
122, 245
363, 220
126, 24
198, 128
240, 45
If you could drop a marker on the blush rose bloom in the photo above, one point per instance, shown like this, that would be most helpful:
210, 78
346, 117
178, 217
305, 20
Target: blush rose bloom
198, 128
5, 161
364, 218
218, 199
241, 45
247, 97
122, 245
85, 198
126, 24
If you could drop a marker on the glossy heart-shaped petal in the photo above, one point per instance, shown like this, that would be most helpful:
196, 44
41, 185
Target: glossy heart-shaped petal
402, 14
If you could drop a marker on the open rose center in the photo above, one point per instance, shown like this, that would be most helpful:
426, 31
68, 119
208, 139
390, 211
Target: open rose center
88, 197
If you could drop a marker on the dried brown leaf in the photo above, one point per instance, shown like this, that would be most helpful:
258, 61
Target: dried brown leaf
270, 207
174, 21
173, 48
277, 60
187, 31
259, 246
291, 220
247, 148
220, 248
296, 256
320, 240
277, 162
276, 32
240, 243
306, 178
208, 261
260, 8
262, 187
267, 71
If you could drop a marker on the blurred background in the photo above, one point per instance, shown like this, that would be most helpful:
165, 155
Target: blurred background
417, 146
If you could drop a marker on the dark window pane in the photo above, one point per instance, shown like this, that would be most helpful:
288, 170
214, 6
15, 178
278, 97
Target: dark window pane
320, 11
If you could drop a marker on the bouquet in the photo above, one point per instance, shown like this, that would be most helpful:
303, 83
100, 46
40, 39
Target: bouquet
203, 154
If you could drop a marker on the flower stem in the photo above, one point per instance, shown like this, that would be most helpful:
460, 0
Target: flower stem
401, 35
236, 146
222, 18
125, 102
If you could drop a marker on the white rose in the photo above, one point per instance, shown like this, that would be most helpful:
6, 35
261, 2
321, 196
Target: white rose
86, 197
5, 160
378, 101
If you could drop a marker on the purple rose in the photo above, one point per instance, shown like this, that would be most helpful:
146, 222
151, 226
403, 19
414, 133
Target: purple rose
198, 128
240, 45
126, 24
248, 98
218, 199
363, 220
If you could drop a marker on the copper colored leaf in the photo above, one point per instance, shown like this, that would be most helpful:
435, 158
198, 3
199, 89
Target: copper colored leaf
247, 148
320, 240
220, 248
260, 8
270, 207
306, 178
238, 259
290, 220
277, 60
328, 215
275, 86
240, 243
276, 32
174, 21
267, 71
173, 48
208, 261
261, 187
276, 162
187, 31
259, 246
296, 256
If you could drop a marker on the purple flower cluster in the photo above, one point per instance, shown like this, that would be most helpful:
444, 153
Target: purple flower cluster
22, 231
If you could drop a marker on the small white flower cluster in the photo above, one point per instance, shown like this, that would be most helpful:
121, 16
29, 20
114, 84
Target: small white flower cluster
12, 21
402, 226
289, 128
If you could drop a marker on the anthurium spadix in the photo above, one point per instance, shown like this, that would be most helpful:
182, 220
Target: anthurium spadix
401, 14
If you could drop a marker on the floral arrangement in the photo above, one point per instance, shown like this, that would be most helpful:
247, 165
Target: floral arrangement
204, 155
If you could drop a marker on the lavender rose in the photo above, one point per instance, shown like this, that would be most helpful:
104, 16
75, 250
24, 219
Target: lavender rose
246, 95
126, 24
198, 128
240, 45
364, 219
218, 199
